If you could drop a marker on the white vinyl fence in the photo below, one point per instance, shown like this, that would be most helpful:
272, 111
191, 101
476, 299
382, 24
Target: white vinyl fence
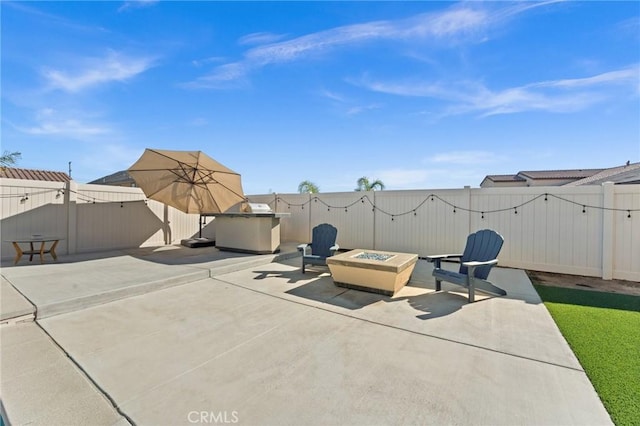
89, 217
583, 230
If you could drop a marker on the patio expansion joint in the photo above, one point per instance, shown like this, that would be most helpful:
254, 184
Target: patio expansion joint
86, 375
35, 307
457, 342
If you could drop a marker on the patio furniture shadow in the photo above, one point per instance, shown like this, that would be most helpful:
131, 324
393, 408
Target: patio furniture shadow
292, 277
326, 291
434, 305
322, 289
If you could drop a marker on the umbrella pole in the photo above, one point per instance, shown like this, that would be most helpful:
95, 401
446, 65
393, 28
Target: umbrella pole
200, 222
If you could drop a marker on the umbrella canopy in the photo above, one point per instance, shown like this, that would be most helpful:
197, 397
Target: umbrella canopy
190, 181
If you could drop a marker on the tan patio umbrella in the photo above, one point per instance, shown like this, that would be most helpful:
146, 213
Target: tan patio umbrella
190, 181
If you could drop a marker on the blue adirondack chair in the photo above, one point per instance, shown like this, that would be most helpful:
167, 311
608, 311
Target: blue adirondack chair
480, 255
323, 244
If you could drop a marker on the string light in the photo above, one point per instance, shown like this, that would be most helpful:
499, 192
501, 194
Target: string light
455, 207
89, 199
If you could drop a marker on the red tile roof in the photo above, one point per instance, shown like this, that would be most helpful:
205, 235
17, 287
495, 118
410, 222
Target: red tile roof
30, 174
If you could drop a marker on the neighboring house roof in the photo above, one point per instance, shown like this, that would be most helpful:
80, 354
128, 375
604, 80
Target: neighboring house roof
560, 174
118, 178
626, 174
629, 173
30, 174
504, 178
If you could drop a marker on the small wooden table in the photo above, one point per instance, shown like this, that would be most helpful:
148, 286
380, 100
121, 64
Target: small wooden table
370, 270
33, 250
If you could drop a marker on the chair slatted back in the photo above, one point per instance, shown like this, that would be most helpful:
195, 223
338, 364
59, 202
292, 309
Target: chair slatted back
323, 238
482, 246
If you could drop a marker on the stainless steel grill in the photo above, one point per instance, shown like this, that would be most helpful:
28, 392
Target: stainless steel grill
256, 208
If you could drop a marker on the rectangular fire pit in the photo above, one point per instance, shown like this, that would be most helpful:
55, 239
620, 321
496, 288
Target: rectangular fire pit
371, 270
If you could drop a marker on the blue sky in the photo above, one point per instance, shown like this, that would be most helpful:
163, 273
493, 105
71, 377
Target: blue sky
421, 95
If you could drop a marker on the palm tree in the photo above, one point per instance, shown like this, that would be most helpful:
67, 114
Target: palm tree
365, 185
308, 187
9, 158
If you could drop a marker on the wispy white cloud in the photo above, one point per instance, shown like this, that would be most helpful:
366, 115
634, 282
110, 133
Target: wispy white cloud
52, 19
362, 108
95, 71
346, 105
137, 4
50, 122
333, 96
624, 76
466, 20
223, 77
565, 95
466, 157
260, 38
205, 61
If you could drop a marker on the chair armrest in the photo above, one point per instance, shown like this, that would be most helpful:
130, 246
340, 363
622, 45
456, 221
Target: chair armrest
437, 259
475, 264
471, 271
302, 248
334, 249
433, 258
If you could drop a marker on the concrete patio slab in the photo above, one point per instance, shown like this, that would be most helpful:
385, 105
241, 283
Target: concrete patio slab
79, 281
501, 324
13, 306
269, 345
41, 386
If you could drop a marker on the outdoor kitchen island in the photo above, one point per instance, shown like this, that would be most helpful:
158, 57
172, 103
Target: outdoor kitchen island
255, 229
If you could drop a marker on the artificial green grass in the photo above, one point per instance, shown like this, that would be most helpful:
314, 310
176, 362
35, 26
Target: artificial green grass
603, 330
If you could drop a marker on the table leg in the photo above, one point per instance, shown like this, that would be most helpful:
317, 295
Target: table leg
42, 252
52, 250
31, 251
18, 252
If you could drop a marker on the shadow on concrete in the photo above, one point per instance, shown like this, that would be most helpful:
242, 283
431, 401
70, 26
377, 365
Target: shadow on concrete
325, 291
181, 255
292, 277
435, 305
319, 287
